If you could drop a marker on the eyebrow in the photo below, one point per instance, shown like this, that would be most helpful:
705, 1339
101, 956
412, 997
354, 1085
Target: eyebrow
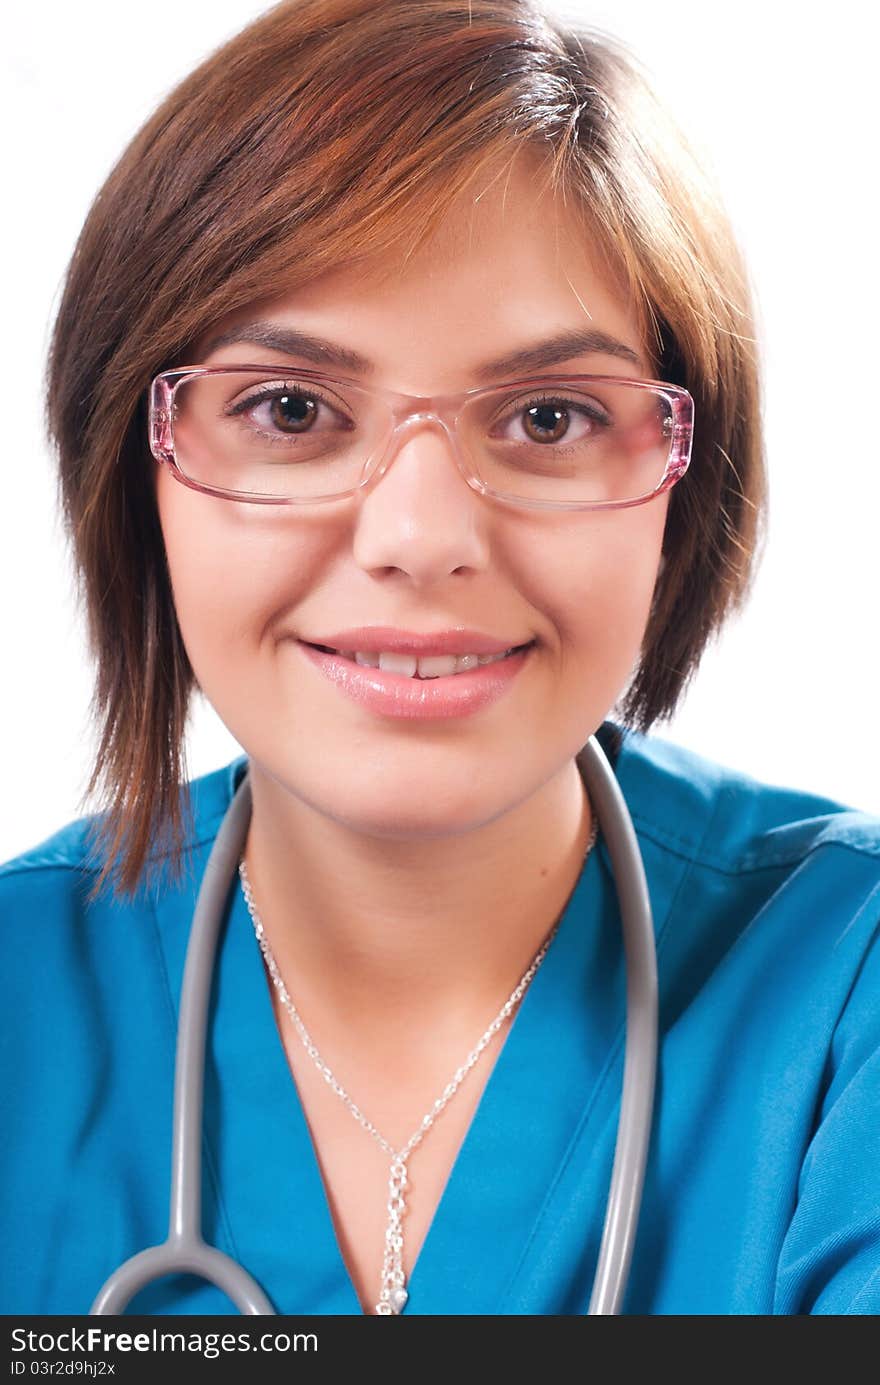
561, 347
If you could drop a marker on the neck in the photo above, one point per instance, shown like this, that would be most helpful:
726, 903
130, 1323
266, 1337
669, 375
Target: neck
395, 934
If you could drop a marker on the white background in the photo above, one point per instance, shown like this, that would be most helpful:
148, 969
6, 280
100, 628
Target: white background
781, 102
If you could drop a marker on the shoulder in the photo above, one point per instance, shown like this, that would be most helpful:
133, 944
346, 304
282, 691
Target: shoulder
65, 863
722, 819
754, 878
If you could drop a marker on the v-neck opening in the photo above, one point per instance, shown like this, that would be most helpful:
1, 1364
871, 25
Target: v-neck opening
255, 1095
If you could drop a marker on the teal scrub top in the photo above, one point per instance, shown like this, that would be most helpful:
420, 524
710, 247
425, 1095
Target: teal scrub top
762, 1193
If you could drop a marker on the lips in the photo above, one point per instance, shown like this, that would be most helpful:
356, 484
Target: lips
390, 694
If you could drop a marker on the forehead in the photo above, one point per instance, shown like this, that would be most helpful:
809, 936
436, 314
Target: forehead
508, 263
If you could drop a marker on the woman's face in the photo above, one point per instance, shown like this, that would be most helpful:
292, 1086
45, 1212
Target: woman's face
418, 549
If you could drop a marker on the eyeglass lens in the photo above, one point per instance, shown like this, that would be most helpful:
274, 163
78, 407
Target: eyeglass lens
289, 437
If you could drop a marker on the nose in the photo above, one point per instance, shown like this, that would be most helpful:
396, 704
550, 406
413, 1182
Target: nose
420, 516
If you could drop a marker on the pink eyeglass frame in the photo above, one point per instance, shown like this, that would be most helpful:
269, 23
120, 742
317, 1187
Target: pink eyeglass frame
408, 411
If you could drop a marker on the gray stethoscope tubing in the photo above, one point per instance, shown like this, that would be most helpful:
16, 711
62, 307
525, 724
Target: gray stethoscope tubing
186, 1252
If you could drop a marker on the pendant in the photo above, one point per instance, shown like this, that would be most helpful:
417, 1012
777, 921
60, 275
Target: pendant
393, 1298
392, 1301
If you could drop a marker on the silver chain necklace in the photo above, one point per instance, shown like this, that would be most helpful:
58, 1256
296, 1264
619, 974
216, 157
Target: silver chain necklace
393, 1294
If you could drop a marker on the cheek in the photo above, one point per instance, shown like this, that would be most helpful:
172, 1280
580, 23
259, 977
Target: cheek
232, 567
204, 563
610, 565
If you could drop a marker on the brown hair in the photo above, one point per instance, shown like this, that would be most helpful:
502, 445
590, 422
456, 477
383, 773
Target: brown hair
328, 126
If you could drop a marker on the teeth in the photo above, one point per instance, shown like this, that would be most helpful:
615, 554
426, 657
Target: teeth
432, 666
442, 665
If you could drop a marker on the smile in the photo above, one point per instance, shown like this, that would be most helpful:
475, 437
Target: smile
427, 666
402, 685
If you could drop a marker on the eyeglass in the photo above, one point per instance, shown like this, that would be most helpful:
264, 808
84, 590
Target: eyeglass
272, 435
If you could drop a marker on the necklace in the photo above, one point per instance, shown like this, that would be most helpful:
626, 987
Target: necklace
393, 1294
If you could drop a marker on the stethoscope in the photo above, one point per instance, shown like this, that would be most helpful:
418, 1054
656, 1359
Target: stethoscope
186, 1252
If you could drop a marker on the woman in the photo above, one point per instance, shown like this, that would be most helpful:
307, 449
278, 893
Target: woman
440, 325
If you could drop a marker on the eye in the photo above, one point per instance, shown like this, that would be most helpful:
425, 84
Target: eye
553, 418
289, 410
